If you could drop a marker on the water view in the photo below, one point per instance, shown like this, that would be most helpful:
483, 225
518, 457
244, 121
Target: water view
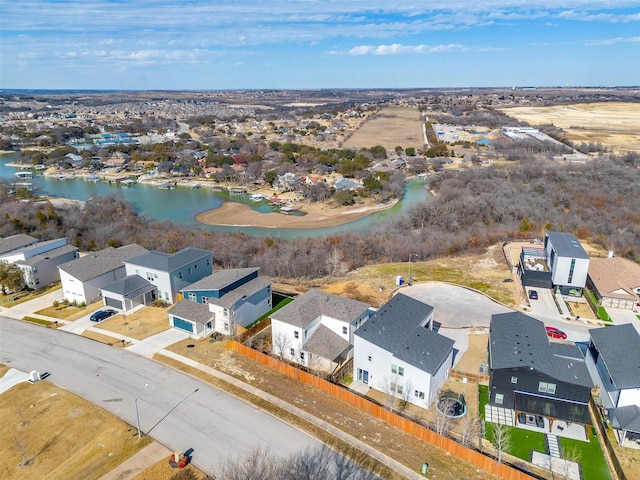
182, 204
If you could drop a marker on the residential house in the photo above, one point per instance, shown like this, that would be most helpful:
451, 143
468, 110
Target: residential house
398, 352
83, 278
615, 282
535, 383
193, 317
235, 297
316, 330
37, 260
170, 272
614, 364
129, 294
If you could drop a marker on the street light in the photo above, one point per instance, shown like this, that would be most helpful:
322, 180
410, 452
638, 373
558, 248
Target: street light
409, 277
138, 419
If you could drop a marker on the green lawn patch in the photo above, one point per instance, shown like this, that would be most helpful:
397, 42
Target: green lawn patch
594, 466
279, 301
483, 398
603, 315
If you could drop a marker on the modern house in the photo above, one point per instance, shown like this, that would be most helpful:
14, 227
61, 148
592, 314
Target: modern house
561, 264
37, 260
170, 272
192, 317
235, 297
317, 329
128, 294
83, 278
396, 351
535, 383
615, 282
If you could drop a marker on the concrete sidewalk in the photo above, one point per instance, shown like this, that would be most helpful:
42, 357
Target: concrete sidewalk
153, 344
148, 456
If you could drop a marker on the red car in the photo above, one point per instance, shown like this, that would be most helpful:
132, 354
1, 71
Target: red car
553, 332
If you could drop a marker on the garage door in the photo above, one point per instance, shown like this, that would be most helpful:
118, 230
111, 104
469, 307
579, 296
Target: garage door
182, 324
112, 302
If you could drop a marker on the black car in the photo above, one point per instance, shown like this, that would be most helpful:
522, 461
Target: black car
102, 315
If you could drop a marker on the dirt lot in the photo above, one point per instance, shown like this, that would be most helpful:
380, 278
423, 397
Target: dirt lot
139, 325
49, 433
163, 471
69, 312
615, 125
390, 128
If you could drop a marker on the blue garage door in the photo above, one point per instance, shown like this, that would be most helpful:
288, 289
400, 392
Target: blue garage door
182, 324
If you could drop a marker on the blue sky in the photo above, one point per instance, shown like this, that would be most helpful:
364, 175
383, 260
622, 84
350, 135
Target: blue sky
289, 44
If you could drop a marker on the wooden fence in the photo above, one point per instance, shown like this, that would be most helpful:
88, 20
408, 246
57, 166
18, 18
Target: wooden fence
468, 455
480, 379
602, 433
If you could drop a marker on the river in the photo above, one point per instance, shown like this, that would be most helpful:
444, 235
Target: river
182, 204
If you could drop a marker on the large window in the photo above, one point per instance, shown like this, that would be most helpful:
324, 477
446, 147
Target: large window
499, 398
573, 265
545, 387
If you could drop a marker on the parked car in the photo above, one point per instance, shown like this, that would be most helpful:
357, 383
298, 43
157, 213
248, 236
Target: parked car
553, 332
533, 294
102, 315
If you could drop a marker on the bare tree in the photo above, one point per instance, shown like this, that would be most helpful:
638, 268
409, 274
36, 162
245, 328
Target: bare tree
444, 409
470, 430
389, 385
21, 446
334, 262
501, 439
281, 343
570, 456
405, 396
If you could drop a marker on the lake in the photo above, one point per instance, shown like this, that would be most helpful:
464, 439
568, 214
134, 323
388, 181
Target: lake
182, 204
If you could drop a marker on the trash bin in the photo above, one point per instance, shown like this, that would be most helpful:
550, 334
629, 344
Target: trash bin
425, 467
399, 280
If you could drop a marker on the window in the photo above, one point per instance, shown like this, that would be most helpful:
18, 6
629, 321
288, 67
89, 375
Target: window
137, 271
344, 330
155, 275
195, 266
399, 389
166, 295
189, 270
542, 387
192, 297
499, 398
208, 262
150, 276
180, 275
205, 300
296, 334
401, 371
369, 358
226, 327
573, 265
292, 352
394, 369
209, 325
419, 394
514, 379
551, 388
226, 312
302, 356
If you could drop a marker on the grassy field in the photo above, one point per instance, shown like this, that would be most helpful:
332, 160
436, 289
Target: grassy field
390, 128
139, 325
614, 124
47, 432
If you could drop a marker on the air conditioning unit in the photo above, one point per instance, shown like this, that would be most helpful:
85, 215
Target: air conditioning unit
484, 368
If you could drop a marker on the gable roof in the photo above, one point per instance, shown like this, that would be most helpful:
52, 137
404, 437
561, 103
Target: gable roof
399, 328
517, 340
619, 346
221, 279
131, 286
196, 312
626, 418
14, 242
567, 245
168, 262
615, 277
229, 299
98, 263
315, 303
51, 254
326, 343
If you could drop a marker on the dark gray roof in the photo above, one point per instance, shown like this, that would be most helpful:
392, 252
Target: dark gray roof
131, 286
98, 263
567, 245
325, 343
399, 327
626, 418
14, 242
56, 252
229, 299
221, 279
315, 303
517, 340
167, 262
188, 310
619, 347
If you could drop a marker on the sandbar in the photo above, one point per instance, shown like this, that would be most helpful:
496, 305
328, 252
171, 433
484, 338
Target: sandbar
317, 215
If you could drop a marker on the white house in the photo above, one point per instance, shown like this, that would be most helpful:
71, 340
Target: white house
397, 352
316, 329
16, 242
83, 278
192, 317
169, 273
128, 294
236, 297
568, 262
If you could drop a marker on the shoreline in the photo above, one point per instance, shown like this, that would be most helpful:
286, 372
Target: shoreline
235, 214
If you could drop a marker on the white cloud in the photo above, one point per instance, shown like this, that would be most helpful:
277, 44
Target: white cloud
397, 49
612, 41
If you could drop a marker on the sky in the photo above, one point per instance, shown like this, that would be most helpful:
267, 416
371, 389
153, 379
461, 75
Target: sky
312, 44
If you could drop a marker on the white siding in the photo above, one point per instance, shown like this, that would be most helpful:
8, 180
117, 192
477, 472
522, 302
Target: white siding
629, 396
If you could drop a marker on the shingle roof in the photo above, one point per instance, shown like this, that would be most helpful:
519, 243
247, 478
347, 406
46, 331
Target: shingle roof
397, 327
615, 277
97, 263
326, 343
517, 340
315, 303
567, 245
221, 279
627, 418
619, 346
56, 252
196, 312
169, 262
131, 286
13, 242
229, 299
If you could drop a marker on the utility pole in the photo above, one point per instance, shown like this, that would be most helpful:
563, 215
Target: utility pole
409, 277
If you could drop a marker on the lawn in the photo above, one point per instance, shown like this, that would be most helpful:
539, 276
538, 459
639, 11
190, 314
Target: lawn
69, 312
603, 315
591, 458
139, 325
279, 301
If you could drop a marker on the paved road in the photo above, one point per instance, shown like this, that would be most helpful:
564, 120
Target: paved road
175, 409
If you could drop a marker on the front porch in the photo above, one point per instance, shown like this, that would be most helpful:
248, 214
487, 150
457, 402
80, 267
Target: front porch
559, 428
